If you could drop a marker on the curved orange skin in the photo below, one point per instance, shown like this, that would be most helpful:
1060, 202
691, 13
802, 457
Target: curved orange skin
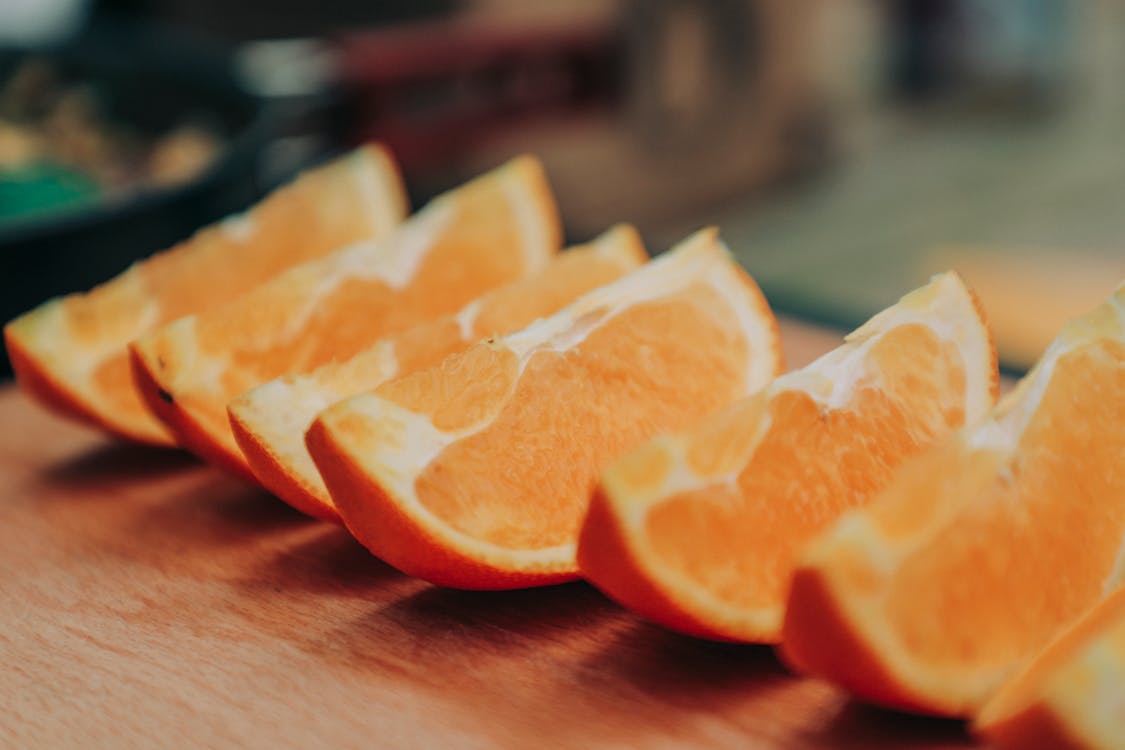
1032, 709
1037, 727
195, 422
49, 392
373, 516
531, 505
604, 546
832, 627
621, 247
189, 435
617, 558
284, 484
814, 619
821, 637
39, 376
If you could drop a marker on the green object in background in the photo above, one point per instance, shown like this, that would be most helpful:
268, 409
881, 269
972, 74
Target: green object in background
41, 188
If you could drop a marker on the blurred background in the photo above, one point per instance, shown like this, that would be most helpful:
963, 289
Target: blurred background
848, 149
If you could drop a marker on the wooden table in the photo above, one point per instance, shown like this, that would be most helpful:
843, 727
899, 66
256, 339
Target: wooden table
148, 601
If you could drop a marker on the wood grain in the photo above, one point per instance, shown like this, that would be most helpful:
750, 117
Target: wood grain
148, 601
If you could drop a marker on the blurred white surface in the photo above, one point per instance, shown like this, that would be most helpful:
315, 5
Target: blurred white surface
27, 22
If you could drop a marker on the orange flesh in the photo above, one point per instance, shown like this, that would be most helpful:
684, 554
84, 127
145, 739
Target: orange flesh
359, 312
1105, 621
274, 449
739, 539
427, 344
573, 411
936, 483
480, 247
979, 553
1070, 696
319, 212
508, 308
114, 379
1002, 592
353, 317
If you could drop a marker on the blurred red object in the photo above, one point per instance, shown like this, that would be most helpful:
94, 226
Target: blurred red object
432, 91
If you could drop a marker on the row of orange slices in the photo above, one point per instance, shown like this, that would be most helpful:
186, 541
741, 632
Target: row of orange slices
483, 412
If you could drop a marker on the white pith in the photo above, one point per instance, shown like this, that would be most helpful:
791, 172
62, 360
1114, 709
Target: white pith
53, 335
205, 371
280, 412
831, 380
693, 261
1085, 693
380, 187
539, 238
1000, 432
279, 415
47, 332
392, 260
944, 305
238, 227
466, 318
408, 442
372, 175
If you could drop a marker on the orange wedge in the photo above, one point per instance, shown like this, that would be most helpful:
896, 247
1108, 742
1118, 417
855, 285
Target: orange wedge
981, 549
476, 474
270, 421
70, 353
699, 530
491, 231
1070, 695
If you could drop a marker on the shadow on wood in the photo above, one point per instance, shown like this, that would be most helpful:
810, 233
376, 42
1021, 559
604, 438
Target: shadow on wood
686, 670
329, 562
859, 726
470, 634
217, 511
562, 663
112, 464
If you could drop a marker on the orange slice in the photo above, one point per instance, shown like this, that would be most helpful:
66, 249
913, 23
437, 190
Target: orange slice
491, 231
1071, 694
477, 473
70, 353
982, 548
699, 530
270, 421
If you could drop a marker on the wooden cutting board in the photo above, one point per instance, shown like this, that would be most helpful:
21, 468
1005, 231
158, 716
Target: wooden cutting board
148, 601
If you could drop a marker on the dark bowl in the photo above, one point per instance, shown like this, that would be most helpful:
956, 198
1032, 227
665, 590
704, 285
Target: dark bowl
151, 78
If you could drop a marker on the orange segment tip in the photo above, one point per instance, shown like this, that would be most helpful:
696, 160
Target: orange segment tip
699, 530
269, 422
981, 549
70, 353
1070, 694
493, 230
476, 473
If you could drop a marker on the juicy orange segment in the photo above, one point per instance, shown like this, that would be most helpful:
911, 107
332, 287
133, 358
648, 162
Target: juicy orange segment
981, 549
70, 353
270, 421
699, 530
477, 473
489, 232
1070, 694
